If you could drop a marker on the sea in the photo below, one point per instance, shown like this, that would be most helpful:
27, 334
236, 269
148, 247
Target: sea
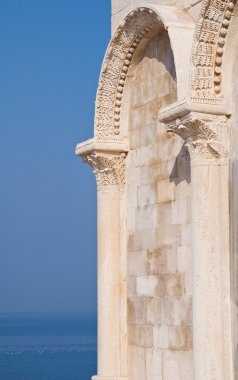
48, 346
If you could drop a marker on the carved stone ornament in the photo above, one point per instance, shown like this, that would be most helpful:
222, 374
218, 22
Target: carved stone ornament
205, 139
108, 168
139, 24
209, 45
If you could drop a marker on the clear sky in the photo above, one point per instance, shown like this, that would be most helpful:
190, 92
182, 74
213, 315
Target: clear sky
50, 57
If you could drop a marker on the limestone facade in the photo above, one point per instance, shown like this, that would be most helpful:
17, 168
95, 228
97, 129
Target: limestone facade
164, 156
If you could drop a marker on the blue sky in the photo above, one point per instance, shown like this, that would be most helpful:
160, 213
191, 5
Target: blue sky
51, 52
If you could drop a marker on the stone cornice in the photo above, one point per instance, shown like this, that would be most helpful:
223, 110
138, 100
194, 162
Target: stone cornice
107, 159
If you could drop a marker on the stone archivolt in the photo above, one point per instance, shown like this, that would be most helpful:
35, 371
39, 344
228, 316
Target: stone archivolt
205, 139
141, 23
108, 168
209, 44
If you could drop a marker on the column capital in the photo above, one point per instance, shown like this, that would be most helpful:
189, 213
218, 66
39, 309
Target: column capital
109, 168
205, 136
107, 159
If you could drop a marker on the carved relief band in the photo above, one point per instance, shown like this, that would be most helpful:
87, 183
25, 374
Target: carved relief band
208, 51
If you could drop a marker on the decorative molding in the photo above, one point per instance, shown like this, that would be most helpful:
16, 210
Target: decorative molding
205, 139
109, 168
139, 24
209, 45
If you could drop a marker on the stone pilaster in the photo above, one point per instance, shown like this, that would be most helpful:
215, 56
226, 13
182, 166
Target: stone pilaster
207, 139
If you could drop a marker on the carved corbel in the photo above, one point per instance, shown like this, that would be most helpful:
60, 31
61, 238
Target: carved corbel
206, 139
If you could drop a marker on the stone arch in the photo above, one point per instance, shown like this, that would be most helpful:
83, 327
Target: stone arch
209, 50
139, 24
137, 29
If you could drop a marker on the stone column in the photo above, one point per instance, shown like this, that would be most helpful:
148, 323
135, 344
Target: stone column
207, 141
109, 168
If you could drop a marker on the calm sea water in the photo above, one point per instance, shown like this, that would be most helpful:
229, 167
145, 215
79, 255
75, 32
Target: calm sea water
48, 347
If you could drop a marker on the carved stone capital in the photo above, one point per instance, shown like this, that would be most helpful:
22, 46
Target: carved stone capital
206, 139
109, 168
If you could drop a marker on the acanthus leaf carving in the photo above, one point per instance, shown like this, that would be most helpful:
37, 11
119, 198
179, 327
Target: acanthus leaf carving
109, 168
205, 139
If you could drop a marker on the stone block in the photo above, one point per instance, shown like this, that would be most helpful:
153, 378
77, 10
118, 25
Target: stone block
134, 242
137, 96
171, 260
165, 191
146, 286
161, 336
148, 154
137, 263
137, 362
155, 311
149, 134
186, 234
178, 311
135, 138
137, 310
184, 254
140, 335
153, 364
179, 338
132, 195
139, 117
156, 261
133, 175
174, 284
149, 239
131, 159
153, 172
182, 189
149, 90
171, 366
146, 217
180, 211
150, 286
177, 365
131, 218
163, 214
146, 194
131, 287
170, 235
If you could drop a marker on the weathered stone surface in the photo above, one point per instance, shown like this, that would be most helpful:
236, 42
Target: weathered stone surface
158, 298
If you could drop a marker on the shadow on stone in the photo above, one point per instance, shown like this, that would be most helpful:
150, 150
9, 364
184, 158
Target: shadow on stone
181, 170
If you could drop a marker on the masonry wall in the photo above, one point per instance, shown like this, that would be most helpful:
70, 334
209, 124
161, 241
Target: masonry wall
158, 223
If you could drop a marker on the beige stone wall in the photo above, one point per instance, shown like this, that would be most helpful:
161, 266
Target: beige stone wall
158, 222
